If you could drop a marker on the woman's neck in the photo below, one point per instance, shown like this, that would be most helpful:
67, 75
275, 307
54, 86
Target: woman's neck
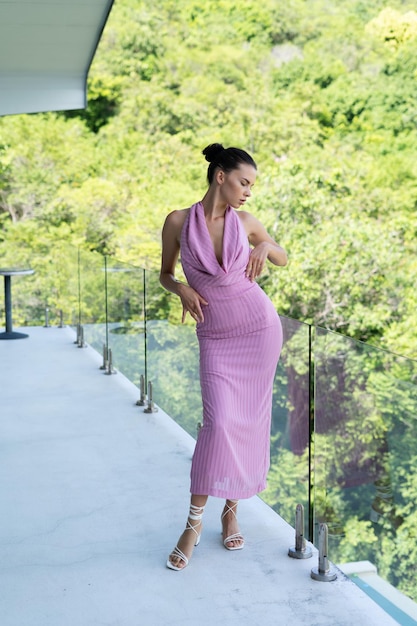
214, 205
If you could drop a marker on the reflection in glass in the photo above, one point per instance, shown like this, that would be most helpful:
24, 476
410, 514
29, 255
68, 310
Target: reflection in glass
173, 356
289, 475
357, 470
364, 452
125, 319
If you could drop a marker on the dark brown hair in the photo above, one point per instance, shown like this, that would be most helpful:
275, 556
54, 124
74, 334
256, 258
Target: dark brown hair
227, 159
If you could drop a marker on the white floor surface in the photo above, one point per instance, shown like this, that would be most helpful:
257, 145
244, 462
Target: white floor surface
94, 494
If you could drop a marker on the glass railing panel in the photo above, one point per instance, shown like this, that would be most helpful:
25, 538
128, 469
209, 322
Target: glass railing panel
365, 456
172, 355
173, 368
289, 475
92, 301
50, 294
125, 331
62, 295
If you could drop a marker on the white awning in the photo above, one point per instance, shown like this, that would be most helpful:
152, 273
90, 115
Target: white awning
46, 49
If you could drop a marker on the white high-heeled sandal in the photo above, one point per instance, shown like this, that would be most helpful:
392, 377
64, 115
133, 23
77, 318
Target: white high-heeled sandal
235, 536
195, 514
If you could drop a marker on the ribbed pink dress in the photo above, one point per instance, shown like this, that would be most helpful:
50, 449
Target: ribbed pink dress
240, 342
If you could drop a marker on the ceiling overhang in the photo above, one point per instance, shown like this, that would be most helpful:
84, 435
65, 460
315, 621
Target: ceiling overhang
46, 49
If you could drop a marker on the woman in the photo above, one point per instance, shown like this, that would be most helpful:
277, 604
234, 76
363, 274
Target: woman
240, 338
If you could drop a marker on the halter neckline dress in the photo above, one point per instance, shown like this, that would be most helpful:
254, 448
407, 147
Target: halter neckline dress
240, 342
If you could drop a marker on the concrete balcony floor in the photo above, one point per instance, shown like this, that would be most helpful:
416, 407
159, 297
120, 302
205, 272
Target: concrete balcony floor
94, 495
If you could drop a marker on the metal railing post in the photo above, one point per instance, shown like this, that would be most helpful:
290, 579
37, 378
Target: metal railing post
105, 357
110, 370
323, 572
142, 399
151, 408
311, 427
301, 550
81, 342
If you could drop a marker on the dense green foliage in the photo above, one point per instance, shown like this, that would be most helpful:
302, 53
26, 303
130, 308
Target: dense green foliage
323, 93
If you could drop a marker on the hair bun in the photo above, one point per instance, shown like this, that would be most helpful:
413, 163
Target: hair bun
212, 151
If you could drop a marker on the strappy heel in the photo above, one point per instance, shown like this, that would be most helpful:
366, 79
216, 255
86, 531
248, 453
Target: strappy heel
235, 536
195, 515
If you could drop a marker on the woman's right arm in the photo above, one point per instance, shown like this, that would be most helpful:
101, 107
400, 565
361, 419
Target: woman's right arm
171, 233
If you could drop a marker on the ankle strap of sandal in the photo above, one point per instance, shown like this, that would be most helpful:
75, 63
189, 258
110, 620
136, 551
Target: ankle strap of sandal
196, 512
230, 509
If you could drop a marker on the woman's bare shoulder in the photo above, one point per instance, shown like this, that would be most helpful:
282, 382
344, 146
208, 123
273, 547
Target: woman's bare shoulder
177, 218
174, 222
247, 219
245, 216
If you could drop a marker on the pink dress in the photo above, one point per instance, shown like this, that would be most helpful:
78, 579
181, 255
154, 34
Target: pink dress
240, 342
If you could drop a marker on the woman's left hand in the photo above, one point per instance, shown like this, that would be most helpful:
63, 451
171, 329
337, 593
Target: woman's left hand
258, 256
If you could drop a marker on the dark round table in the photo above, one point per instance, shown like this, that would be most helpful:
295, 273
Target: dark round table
8, 272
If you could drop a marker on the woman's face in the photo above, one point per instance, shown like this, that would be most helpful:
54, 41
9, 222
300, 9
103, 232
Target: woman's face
236, 186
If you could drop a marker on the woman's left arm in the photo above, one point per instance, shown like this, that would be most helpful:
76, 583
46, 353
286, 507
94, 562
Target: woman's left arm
264, 247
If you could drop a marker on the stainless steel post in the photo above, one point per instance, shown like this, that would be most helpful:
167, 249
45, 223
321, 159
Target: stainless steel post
105, 358
142, 399
151, 408
323, 572
110, 369
301, 550
81, 343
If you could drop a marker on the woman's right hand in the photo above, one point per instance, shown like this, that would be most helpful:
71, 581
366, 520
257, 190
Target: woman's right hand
191, 303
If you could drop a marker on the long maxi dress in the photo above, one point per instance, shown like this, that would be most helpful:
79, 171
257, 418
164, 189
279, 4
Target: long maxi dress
240, 342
